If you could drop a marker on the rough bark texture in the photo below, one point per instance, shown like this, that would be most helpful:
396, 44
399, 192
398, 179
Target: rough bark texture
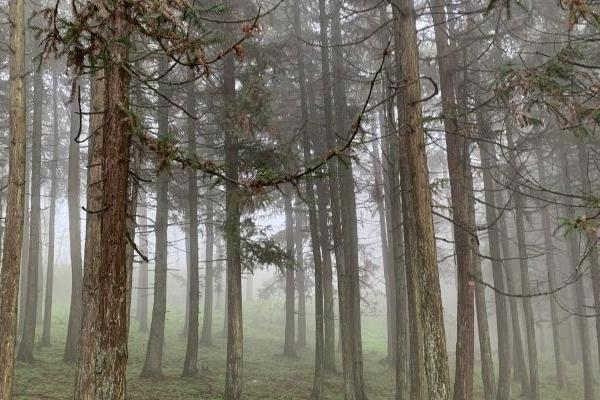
463, 226
85, 376
154, 352
111, 346
430, 302
27, 344
15, 205
235, 338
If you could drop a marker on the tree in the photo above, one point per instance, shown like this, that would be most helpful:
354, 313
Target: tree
15, 200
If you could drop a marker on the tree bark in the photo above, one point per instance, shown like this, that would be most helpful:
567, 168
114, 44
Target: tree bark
551, 270
46, 333
206, 336
27, 344
579, 290
85, 384
348, 272
300, 276
142, 304
235, 338
72, 342
502, 322
430, 302
154, 352
289, 347
190, 366
15, 205
111, 347
519, 206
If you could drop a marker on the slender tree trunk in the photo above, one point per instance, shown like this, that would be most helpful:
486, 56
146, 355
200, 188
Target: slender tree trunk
502, 322
520, 368
334, 197
154, 353
350, 280
74, 326
206, 336
487, 362
142, 305
584, 173
27, 344
551, 269
15, 206
190, 366
85, 377
46, 334
235, 337
300, 276
316, 241
289, 347
25, 250
519, 206
579, 288
463, 226
430, 302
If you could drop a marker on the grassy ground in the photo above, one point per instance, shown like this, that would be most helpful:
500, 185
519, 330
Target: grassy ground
267, 375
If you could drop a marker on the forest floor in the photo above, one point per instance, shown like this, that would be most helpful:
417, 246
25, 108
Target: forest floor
267, 374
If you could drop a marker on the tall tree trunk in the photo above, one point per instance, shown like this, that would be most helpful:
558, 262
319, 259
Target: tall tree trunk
551, 270
235, 337
25, 250
85, 384
584, 174
519, 207
15, 206
579, 289
418, 384
520, 368
289, 347
463, 226
334, 197
206, 336
46, 334
27, 344
421, 220
502, 322
485, 346
316, 241
111, 351
190, 366
74, 326
154, 352
300, 276
349, 283
142, 304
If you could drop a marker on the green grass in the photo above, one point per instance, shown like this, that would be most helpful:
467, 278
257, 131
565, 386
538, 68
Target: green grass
267, 375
